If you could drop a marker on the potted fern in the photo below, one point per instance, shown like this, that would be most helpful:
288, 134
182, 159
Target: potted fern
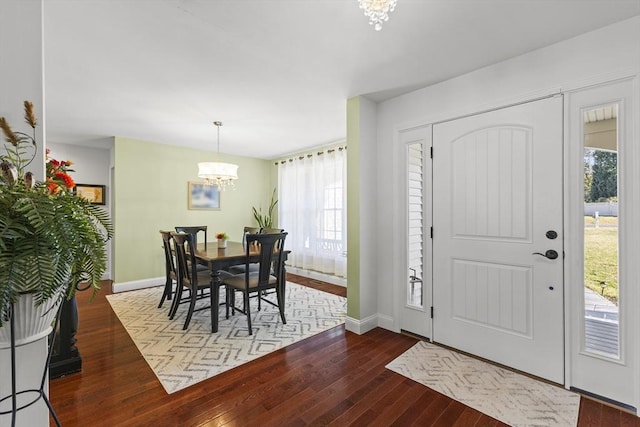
49, 237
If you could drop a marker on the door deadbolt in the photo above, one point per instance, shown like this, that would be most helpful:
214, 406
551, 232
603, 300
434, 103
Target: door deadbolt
551, 234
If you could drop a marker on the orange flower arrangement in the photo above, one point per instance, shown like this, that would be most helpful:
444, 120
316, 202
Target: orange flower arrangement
58, 174
13, 164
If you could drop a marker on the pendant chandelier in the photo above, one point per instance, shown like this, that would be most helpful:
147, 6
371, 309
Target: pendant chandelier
377, 11
218, 173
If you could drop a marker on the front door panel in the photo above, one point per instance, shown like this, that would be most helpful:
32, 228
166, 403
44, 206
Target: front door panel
497, 284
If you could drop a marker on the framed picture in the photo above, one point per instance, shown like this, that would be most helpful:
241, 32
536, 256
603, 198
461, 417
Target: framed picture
93, 193
203, 196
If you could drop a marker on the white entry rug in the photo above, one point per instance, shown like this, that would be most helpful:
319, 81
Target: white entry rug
507, 396
182, 358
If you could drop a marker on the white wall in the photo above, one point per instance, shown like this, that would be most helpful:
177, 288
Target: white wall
91, 165
22, 78
21, 74
605, 54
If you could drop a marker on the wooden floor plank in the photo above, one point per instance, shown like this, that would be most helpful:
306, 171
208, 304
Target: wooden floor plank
431, 414
334, 378
590, 413
414, 411
469, 417
373, 393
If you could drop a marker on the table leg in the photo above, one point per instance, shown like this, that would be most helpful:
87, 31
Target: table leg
284, 283
215, 299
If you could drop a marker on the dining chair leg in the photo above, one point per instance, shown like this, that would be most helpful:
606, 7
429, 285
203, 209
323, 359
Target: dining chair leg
233, 301
214, 294
174, 306
280, 298
192, 306
246, 307
227, 301
168, 288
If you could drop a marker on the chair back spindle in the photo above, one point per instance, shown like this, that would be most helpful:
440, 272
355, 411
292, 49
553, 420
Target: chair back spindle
249, 230
185, 247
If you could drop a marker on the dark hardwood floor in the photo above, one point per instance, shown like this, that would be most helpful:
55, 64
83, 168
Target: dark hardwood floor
334, 378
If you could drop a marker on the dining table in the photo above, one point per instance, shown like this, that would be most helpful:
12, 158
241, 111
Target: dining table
216, 259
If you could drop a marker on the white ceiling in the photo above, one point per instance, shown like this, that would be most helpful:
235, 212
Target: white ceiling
277, 73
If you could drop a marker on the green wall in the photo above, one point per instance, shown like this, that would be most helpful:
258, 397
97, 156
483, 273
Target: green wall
150, 194
353, 207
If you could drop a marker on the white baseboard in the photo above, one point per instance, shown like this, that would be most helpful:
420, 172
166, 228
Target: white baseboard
137, 284
362, 326
386, 322
157, 281
334, 280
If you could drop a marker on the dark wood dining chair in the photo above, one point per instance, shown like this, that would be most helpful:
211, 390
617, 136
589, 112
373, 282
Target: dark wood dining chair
194, 229
270, 274
267, 230
249, 230
196, 283
171, 276
237, 269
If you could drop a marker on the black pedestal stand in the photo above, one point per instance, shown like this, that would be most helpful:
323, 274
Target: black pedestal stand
40, 393
66, 358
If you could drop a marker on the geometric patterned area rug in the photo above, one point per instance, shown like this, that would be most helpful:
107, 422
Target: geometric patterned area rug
505, 395
183, 358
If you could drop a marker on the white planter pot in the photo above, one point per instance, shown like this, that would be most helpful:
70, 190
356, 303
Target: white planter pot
222, 243
32, 321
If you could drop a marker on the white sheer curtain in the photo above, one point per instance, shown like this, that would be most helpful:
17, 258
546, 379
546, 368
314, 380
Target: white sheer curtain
312, 208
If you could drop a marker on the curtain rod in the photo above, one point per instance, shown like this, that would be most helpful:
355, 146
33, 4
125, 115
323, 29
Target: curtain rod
308, 155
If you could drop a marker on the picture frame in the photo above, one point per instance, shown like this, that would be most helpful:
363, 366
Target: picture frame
91, 192
202, 196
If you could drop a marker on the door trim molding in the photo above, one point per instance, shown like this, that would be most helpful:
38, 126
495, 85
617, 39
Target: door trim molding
502, 107
403, 138
629, 243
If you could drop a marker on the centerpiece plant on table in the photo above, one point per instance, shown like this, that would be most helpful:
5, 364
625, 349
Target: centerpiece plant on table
222, 239
50, 239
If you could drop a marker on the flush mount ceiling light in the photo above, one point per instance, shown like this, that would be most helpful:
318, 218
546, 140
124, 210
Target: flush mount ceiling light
218, 173
377, 11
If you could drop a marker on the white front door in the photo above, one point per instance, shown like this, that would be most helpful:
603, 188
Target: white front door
498, 237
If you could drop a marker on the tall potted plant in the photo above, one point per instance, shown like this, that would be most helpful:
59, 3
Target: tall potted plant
266, 220
49, 237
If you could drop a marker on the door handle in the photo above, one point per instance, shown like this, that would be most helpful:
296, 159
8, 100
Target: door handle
550, 254
413, 278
